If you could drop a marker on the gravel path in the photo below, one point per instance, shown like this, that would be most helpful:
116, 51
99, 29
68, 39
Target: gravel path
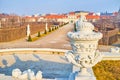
57, 39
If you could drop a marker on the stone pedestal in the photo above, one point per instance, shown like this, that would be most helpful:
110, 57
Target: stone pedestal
75, 75
80, 76
85, 78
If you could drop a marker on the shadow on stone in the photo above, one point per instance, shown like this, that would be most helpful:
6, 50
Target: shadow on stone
4, 62
50, 69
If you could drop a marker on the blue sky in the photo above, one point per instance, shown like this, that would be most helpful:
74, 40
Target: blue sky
29, 7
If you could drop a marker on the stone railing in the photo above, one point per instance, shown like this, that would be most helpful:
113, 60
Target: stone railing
106, 55
32, 50
111, 56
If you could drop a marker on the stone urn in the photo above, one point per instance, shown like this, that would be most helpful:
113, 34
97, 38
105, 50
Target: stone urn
84, 42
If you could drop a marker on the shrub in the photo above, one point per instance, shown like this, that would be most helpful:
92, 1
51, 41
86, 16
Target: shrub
29, 38
39, 34
45, 31
49, 29
53, 28
57, 27
75, 29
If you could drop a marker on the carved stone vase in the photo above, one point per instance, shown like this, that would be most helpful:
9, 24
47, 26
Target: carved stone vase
84, 42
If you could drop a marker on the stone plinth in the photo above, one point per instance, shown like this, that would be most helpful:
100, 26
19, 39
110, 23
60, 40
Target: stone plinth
85, 78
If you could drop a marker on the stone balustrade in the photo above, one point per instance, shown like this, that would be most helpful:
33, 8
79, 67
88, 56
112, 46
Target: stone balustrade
32, 50
106, 55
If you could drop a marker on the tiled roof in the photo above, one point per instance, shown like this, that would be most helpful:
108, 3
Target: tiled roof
92, 17
71, 13
55, 16
81, 11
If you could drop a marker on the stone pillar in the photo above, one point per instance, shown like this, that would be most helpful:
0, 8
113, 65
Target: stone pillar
84, 53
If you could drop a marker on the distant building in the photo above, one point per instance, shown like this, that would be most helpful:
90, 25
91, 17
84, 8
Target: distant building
29, 19
92, 17
55, 17
81, 13
9, 20
118, 15
41, 19
106, 15
72, 17
116, 18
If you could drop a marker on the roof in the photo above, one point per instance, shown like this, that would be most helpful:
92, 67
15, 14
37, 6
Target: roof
71, 13
92, 17
81, 11
53, 16
91, 13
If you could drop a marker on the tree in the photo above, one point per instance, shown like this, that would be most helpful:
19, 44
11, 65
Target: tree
29, 38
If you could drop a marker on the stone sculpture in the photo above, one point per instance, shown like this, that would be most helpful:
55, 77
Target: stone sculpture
84, 44
115, 50
39, 75
28, 30
27, 75
23, 76
16, 72
46, 26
